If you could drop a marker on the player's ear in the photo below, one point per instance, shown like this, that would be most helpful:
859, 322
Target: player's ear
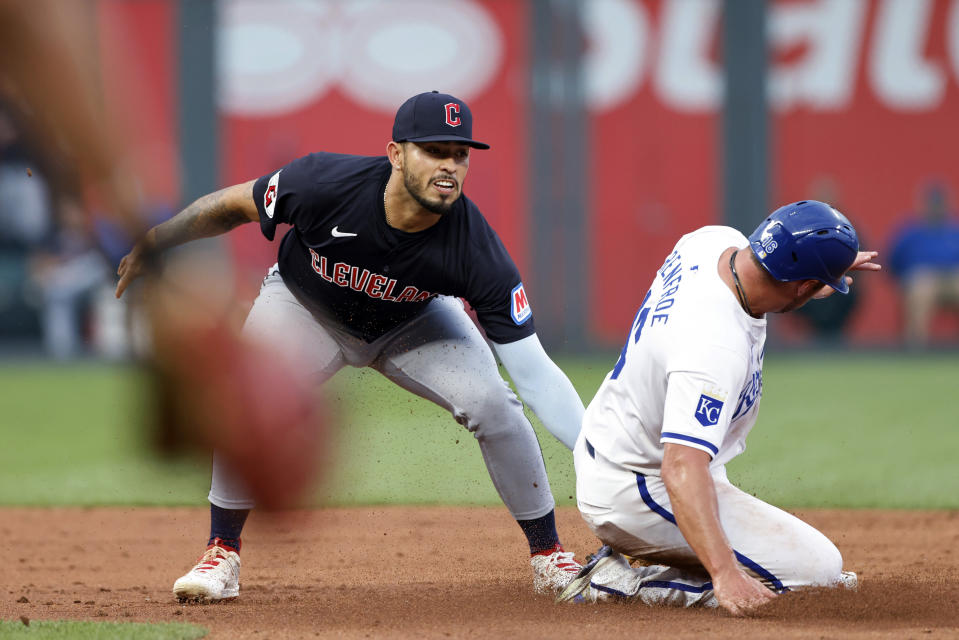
394, 151
809, 287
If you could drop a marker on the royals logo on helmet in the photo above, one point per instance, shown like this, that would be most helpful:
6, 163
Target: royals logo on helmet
766, 241
519, 305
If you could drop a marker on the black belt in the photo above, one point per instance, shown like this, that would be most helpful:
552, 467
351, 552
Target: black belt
590, 450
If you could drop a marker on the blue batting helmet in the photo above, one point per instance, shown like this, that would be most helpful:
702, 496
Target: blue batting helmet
806, 240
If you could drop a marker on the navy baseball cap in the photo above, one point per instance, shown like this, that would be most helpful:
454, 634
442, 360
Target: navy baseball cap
435, 117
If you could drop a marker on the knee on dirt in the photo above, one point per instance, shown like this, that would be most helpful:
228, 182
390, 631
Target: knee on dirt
821, 566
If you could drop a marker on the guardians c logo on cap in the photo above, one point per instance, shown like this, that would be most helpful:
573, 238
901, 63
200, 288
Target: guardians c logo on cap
435, 117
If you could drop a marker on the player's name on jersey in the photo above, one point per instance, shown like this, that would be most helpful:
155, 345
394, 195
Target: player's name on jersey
372, 284
671, 273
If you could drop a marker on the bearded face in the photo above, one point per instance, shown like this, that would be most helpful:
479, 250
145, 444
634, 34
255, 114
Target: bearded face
434, 172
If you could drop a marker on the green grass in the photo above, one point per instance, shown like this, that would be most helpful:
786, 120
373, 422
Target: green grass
397, 448
75, 434
855, 431
45, 630
842, 431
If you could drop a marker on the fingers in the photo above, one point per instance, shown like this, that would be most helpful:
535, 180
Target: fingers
743, 595
765, 596
864, 261
121, 287
752, 604
748, 605
127, 270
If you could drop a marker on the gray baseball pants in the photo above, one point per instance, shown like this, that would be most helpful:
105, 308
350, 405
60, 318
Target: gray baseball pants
438, 355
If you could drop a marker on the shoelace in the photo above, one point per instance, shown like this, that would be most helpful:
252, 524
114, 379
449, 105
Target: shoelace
564, 560
210, 559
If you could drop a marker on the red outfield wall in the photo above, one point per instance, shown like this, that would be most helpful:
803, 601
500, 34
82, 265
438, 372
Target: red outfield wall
865, 97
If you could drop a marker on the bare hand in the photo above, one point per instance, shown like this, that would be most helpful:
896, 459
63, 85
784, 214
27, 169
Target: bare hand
740, 593
131, 266
863, 262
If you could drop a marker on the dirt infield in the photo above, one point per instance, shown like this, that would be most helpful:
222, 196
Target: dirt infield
404, 572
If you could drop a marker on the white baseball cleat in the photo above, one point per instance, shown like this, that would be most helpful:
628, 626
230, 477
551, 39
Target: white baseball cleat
553, 569
215, 577
576, 590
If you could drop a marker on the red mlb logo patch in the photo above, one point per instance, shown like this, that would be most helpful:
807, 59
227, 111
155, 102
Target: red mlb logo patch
519, 305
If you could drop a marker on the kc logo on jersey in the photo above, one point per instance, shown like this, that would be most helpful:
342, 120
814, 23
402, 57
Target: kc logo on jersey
708, 408
269, 198
453, 114
519, 306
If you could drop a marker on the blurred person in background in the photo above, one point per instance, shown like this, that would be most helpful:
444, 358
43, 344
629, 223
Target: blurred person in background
25, 206
925, 262
67, 271
51, 265
25, 222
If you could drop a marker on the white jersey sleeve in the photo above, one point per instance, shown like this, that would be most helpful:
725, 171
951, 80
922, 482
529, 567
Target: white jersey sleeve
698, 408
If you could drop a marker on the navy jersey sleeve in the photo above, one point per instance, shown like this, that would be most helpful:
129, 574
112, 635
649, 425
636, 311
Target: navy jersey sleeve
496, 291
287, 195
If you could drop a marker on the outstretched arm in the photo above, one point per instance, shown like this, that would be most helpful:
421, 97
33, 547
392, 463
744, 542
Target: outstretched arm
208, 216
544, 387
692, 495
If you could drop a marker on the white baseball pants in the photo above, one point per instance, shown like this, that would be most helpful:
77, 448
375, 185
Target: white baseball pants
632, 514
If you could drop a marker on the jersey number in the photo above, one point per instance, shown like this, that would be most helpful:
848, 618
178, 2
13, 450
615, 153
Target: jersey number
638, 323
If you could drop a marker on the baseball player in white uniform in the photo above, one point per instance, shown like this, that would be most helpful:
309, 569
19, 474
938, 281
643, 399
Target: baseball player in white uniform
678, 405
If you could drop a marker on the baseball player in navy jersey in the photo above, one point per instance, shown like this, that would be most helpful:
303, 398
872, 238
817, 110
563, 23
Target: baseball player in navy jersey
370, 274
678, 405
